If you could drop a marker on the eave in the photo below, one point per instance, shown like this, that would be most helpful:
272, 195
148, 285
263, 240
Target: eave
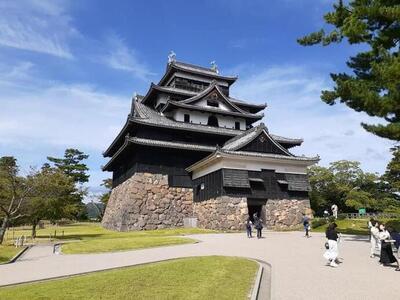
159, 144
178, 66
252, 156
212, 110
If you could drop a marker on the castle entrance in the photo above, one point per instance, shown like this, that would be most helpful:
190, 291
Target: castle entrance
255, 206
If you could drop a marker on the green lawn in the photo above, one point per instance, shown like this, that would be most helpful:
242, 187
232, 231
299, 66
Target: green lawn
92, 238
7, 252
212, 277
356, 226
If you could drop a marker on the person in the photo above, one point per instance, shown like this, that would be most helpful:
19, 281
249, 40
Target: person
371, 223
396, 238
326, 213
306, 224
334, 209
332, 253
258, 225
375, 242
387, 256
248, 228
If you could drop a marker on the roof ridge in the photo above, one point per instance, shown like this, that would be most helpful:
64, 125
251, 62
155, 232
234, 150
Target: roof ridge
193, 66
239, 136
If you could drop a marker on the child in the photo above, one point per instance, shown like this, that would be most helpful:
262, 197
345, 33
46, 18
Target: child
248, 228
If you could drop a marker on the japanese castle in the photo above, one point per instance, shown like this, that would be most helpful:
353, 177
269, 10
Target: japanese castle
190, 154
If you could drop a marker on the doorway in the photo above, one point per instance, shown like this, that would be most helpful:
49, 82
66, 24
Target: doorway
254, 209
255, 206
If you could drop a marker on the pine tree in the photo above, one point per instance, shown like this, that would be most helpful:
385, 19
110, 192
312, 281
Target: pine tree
374, 86
72, 165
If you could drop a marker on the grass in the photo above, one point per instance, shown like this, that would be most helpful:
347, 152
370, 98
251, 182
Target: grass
212, 277
92, 238
7, 252
357, 226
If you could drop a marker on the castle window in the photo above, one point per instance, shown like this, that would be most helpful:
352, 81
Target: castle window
212, 121
237, 125
212, 103
186, 118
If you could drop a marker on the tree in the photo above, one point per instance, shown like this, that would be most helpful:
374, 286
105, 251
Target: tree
72, 165
374, 86
53, 197
14, 192
107, 184
392, 174
345, 184
360, 199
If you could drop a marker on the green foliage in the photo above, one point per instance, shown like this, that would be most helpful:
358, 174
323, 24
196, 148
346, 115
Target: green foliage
54, 196
72, 165
107, 183
374, 85
345, 184
359, 199
392, 174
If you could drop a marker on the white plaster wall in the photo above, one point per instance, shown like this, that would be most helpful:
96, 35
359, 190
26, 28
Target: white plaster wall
197, 117
221, 105
295, 167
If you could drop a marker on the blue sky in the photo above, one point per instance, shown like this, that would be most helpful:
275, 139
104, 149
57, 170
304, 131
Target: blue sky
68, 70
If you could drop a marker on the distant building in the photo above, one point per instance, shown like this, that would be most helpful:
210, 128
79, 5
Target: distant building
189, 152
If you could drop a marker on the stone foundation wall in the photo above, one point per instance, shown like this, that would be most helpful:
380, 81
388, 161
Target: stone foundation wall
145, 201
221, 213
286, 213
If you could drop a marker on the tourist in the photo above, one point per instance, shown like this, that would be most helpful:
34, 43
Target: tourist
387, 256
395, 236
374, 239
248, 228
371, 223
258, 225
306, 224
331, 254
334, 209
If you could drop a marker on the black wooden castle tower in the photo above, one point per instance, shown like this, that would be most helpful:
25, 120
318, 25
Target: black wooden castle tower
190, 130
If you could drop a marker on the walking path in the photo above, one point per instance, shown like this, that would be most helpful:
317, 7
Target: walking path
298, 269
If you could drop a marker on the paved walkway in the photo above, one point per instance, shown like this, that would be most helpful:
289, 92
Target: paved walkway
298, 269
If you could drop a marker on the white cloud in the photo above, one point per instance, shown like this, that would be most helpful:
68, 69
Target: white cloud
36, 25
40, 118
121, 57
296, 110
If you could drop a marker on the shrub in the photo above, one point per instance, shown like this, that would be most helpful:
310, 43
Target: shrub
318, 222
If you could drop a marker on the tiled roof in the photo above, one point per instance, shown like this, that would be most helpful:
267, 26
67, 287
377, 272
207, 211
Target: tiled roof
271, 155
246, 137
199, 69
146, 115
221, 152
158, 143
143, 114
169, 144
193, 69
213, 110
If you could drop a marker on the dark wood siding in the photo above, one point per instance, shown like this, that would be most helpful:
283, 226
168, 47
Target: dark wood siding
262, 144
171, 162
212, 186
